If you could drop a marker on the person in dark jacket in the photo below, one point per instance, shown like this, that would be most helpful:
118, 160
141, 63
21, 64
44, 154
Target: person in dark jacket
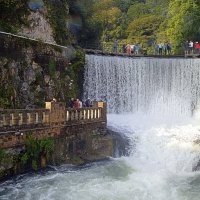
88, 103
71, 103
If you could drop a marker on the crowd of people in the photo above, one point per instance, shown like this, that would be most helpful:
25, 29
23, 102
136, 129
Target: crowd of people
192, 47
160, 49
163, 49
77, 103
129, 49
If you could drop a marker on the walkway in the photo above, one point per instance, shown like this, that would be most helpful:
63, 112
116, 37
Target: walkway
107, 53
55, 114
27, 38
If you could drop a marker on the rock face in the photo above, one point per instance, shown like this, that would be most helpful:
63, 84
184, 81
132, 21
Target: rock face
39, 29
32, 73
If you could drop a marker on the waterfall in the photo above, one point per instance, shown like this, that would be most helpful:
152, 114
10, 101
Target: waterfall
148, 85
153, 103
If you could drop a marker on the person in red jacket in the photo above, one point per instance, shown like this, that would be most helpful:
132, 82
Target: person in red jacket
77, 104
197, 48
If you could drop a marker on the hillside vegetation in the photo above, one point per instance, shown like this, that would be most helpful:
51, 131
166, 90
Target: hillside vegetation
146, 22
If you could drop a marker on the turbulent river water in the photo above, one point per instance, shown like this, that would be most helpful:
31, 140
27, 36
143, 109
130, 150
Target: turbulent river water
153, 103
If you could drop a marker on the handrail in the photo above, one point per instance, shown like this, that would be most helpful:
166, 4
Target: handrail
32, 39
24, 118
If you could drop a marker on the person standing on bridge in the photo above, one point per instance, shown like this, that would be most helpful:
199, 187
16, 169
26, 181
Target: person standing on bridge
71, 103
124, 48
77, 104
128, 49
115, 47
165, 48
136, 49
196, 47
160, 49
88, 103
186, 46
169, 48
191, 46
80, 104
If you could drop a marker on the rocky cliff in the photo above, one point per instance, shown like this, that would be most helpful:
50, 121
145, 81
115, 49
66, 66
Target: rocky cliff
33, 71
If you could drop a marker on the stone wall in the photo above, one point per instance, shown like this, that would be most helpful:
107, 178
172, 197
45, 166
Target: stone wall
79, 136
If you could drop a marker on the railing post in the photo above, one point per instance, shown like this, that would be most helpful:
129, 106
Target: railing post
46, 118
33, 117
39, 117
20, 117
24, 118
85, 114
67, 116
15, 118
6, 119
1, 120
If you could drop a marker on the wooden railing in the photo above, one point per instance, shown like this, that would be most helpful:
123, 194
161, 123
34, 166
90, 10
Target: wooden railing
56, 115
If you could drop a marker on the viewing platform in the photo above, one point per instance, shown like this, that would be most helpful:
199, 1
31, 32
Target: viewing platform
54, 114
107, 53
106, 49
52, 121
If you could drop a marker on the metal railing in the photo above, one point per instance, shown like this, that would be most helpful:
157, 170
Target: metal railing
192, 53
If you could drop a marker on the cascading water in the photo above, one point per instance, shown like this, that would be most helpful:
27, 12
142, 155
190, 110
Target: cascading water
145, 85
154, 103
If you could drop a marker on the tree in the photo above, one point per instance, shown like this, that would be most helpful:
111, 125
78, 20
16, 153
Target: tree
183, 23
137, 10
106, 15
143, 30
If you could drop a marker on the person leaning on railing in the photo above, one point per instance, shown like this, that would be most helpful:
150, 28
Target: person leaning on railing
88, 103
186, 47
191, 46
197, 48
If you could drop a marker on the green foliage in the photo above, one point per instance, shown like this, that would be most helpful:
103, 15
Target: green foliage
76, 72
57, 14
2, 154
46, 146
13, 14
147, 22
34, 148
143, 30
52, 66
137, 10
123, 5
106, 15
34, 165
24, 158
6, 84
183, 23
77, 160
